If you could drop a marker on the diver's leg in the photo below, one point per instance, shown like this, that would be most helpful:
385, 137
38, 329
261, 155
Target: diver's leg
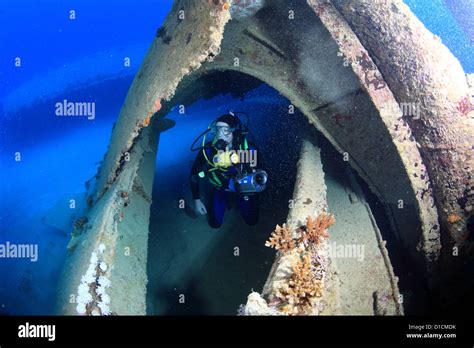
250, 208
215, 213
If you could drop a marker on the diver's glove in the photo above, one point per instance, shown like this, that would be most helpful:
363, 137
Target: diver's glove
199, 207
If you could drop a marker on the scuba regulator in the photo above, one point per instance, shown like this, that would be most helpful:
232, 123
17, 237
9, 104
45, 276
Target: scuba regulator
224, 158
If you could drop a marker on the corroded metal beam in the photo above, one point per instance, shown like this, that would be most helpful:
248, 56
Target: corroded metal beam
422, 72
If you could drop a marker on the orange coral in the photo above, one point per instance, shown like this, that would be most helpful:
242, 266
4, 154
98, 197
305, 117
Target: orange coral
281, 239
314, 231
301, 288
226, 6
316, 228
305, 283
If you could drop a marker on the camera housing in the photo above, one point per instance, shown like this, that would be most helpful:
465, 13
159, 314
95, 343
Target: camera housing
250, 183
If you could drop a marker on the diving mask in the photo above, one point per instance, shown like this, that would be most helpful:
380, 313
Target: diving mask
224, 130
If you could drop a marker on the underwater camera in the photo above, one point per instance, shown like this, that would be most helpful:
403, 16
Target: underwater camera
250, 183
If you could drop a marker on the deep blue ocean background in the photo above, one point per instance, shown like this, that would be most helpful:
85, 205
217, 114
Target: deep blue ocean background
83, 60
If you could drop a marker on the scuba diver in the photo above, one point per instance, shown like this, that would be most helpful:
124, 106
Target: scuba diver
228, 165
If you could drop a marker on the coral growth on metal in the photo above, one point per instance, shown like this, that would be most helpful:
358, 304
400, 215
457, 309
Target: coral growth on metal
315, 229
303, 285
281, 239
306, 281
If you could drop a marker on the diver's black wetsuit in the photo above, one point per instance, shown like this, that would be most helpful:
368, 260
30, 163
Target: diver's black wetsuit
218, 197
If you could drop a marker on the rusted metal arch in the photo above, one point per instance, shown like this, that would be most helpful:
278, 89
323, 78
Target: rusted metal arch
380, 143
360, 117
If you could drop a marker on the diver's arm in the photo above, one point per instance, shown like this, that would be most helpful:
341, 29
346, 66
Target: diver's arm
198, 165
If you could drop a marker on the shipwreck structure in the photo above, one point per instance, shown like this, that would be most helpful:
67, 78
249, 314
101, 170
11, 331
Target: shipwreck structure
383, 90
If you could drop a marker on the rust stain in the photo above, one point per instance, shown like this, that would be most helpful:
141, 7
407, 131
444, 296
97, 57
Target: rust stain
146, 121
453, 218
340, 117
157, 105
370, 70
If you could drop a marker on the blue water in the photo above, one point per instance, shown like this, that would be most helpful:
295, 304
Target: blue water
83, 59
452, 22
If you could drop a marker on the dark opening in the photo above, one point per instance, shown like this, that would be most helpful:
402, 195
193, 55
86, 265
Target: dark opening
192, 268
470, 229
